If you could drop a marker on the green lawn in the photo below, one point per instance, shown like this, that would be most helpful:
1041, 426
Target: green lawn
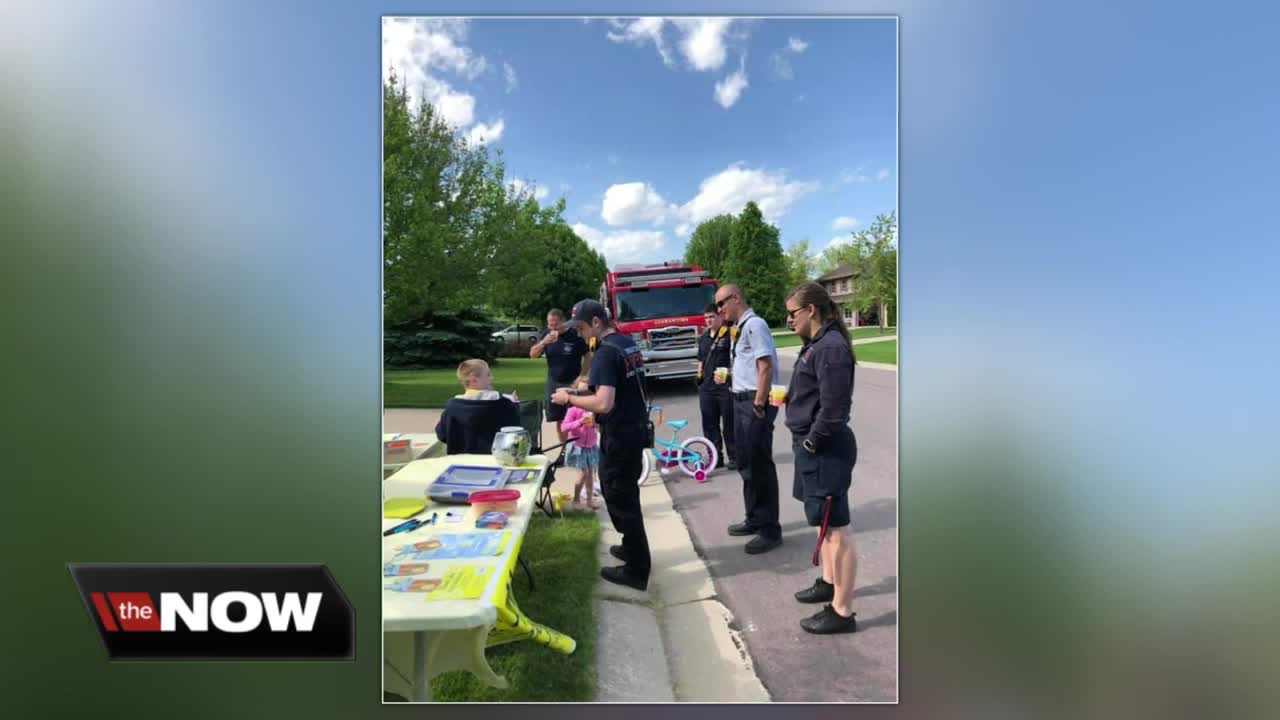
784, 338
868, 332
528, 377
562, 555
881, 352
433, 388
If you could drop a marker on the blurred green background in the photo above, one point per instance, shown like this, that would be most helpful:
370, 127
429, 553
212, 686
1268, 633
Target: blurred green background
189, 296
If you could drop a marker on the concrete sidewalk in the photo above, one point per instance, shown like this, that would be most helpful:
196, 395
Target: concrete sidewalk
866, 341
794, 352
698, 656
674, 642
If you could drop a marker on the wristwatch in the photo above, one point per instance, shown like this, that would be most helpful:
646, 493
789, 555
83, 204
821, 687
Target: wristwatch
809, 446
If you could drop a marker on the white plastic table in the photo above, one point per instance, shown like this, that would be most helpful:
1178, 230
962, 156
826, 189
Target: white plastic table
421, 638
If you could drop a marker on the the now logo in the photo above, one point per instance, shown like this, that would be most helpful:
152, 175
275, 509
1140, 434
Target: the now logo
135, 612
218, 611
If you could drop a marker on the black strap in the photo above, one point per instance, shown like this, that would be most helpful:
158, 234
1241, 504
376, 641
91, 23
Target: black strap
733, 351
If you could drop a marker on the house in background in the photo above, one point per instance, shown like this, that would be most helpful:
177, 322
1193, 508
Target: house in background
839, 285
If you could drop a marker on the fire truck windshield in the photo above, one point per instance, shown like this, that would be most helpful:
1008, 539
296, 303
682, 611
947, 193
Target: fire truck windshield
664, 302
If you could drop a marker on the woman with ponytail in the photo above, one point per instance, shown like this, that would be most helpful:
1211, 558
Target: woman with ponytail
818, 406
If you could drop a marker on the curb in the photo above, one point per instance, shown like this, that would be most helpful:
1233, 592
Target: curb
695, 635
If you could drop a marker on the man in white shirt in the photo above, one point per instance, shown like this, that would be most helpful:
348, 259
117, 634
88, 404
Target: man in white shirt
755, 369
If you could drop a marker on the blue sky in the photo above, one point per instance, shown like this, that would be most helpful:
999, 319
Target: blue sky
649, 126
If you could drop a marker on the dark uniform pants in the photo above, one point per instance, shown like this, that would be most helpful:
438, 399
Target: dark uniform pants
716, 404
825, 474
621, 460
754, 437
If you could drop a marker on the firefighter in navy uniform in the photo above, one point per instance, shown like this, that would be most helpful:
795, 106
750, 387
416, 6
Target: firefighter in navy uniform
617, 397
715, 401
819, 405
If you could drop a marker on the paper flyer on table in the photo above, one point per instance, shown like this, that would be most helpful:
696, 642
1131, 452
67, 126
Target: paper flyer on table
455, 547
462, 583
467, 582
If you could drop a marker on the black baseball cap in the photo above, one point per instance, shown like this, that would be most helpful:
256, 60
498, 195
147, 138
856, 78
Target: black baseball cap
585, 311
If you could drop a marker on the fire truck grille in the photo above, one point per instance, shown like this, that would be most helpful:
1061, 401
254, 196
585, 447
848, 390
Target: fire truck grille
673, 338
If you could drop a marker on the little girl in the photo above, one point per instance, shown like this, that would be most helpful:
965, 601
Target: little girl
584, 454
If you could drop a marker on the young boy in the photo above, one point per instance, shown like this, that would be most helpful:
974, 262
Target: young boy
470, 420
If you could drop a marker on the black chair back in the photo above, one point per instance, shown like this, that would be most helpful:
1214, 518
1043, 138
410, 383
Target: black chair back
531, 421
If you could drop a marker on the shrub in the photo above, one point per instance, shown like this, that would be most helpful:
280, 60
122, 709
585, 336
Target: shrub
440, 339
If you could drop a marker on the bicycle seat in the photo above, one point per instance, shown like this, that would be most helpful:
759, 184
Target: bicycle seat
677, 424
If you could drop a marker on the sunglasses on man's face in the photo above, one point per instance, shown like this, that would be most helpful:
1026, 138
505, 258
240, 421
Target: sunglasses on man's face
720, 303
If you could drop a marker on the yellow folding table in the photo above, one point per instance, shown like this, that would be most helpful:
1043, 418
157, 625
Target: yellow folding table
423, 637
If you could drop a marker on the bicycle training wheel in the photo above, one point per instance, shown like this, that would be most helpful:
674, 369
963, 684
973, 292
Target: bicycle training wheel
646, 468
699, 458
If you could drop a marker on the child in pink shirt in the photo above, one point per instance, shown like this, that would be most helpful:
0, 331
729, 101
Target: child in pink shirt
583, 451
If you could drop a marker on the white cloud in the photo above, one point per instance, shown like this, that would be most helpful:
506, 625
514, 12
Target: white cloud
844, 223
781, 66
730, 89
457, 108
854, 176
839, 240
860, 176
621, 246
524, 187
418, 49
704, 41
641, 31
483, 134
730, 189
781, 60
628, 203
726, 192
509, 73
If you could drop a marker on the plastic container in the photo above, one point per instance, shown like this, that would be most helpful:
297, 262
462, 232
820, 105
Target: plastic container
495, 501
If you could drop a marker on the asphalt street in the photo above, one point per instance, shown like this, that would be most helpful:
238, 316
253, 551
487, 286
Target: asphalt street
794, 665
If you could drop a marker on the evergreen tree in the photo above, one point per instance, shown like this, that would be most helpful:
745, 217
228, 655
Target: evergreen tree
756, 264
709, 245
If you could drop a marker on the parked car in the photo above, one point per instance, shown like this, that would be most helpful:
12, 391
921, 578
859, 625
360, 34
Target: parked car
517, 334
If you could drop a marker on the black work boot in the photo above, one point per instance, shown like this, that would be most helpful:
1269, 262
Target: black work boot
620, 575
829, 622
820, 591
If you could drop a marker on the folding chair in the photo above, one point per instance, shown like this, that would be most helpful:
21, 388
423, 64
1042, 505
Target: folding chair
531, 421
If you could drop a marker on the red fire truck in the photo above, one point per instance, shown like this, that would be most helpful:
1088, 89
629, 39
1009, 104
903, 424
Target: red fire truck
660, 307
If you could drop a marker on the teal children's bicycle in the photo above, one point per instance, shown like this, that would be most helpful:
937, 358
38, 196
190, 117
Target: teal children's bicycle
695, 457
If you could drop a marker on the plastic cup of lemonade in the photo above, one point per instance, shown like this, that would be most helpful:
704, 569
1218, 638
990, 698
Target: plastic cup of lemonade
777, 394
